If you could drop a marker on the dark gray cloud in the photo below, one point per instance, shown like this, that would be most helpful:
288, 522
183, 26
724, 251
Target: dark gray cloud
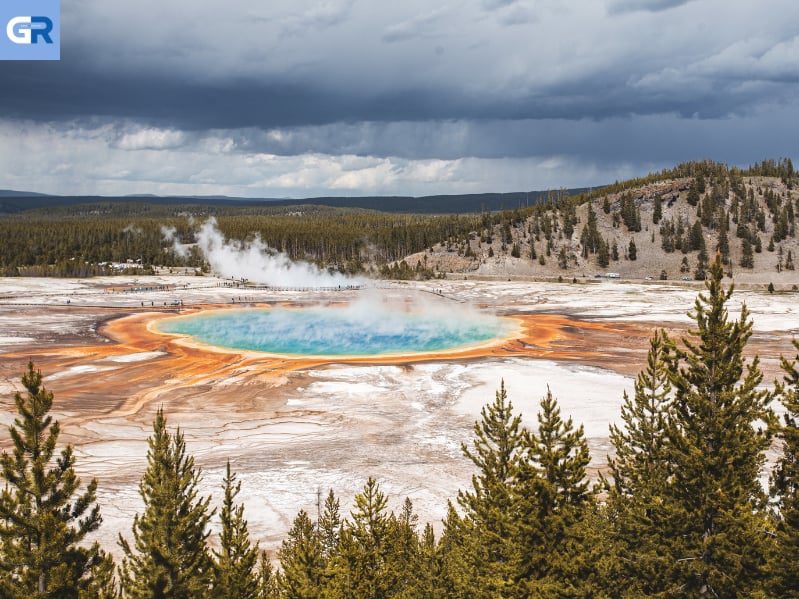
619, 85
715, 87
344, 62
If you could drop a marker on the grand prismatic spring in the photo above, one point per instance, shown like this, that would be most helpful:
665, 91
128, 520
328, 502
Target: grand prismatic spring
336, 331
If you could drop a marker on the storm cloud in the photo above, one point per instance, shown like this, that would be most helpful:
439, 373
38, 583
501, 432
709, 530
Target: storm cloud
493, 89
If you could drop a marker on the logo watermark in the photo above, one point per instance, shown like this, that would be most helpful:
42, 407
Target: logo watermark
31, 30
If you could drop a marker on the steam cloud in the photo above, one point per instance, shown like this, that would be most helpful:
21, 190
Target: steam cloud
370, 323
254, 260
372, 316
132, 229
170, 236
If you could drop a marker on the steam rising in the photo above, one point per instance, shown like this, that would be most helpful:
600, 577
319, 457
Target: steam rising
373, 324
170, 236
254, 260
132, 229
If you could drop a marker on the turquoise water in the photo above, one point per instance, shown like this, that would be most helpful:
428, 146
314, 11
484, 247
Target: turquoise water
337, 331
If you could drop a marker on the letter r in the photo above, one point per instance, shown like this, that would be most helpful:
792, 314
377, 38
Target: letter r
43, 32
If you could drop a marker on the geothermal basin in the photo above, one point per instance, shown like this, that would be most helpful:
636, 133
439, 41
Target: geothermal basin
385, 382
356, 329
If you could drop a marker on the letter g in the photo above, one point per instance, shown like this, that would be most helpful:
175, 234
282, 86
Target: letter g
18, 30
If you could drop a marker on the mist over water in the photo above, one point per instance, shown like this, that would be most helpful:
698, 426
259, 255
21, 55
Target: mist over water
255, 260
365, 327
373, 324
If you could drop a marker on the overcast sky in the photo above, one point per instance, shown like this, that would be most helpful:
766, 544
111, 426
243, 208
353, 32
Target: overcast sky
289, 98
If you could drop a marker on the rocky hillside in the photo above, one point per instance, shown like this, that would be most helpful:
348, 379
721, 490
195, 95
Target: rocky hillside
659, 228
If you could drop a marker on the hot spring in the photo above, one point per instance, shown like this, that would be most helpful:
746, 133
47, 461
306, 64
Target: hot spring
355, 330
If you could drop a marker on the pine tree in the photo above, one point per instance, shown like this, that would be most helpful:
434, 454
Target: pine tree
102, 583
402, 562
716, 450
657, 212
237, 558
638, 474
593, 562
460, 569
783, 572
330, 525
553, 494
427, 567
693, 194
590, 238
563, 258
700, 183
267, 579
747, 257
640, 455
169, 558
496, 451
603, 256
630, 214
362, 567
701, 265
723, 246
301, 560
44, 520
632, 251
696, 238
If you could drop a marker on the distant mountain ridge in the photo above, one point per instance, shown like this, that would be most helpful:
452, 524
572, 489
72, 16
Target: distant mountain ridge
11, 193
18, 201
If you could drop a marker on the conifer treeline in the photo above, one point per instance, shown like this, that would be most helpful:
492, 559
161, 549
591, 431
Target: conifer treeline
75, 240
782, 168
342, 239
681, 512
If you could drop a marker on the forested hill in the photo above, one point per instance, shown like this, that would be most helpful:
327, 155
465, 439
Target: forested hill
12, 202
664, 226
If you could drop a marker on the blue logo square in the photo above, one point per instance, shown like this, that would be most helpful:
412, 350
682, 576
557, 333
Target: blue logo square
30, 30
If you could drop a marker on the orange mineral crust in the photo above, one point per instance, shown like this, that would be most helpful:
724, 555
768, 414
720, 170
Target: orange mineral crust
163, 363
139, 367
